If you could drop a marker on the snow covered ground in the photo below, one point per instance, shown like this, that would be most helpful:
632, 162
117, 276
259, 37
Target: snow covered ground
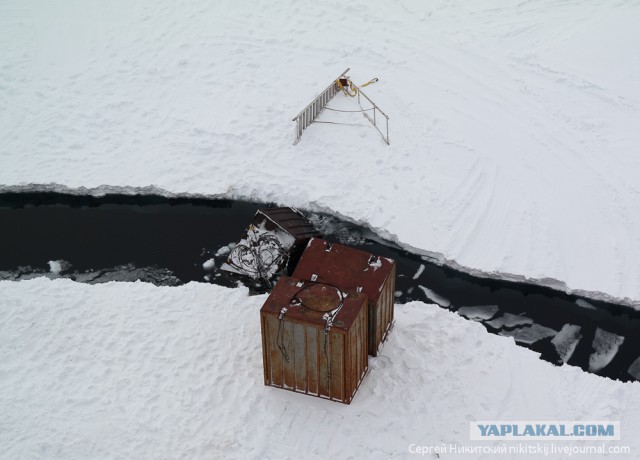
176, 372
514, 127
514, 131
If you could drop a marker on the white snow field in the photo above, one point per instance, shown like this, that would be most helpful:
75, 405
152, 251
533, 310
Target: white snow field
131, 370
514, 135
514, 126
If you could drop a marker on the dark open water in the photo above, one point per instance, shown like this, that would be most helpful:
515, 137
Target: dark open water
166, 241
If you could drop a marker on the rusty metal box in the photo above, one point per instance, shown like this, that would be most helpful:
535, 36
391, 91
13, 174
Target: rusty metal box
350, 268
272, 244
314, 339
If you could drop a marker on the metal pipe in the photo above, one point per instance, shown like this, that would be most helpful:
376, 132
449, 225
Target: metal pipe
372, 103
388, 141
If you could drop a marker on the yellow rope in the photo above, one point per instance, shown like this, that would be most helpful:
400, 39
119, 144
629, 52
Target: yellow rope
373, 80
352, 87
345, 90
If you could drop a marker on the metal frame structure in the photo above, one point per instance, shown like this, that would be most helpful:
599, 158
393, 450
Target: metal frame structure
311, 111
315, 108
374, 121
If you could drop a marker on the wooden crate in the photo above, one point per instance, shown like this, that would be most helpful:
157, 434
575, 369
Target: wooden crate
352, 269
300, 353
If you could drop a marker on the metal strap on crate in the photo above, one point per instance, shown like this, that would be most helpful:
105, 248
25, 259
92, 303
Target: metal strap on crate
280, 338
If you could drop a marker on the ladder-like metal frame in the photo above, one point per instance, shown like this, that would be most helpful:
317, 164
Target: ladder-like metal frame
315, 108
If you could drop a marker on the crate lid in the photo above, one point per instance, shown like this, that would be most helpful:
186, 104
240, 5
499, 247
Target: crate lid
291, 220
309, 302
345, 267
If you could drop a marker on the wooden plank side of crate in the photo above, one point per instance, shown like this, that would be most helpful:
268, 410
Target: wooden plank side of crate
300, 357
351, 369
393, 291
384, 324
312, 360
336, 356
364, 324
289, 370
324, 388
358, 349
363, 354
265, 350
371, 333
274, 354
